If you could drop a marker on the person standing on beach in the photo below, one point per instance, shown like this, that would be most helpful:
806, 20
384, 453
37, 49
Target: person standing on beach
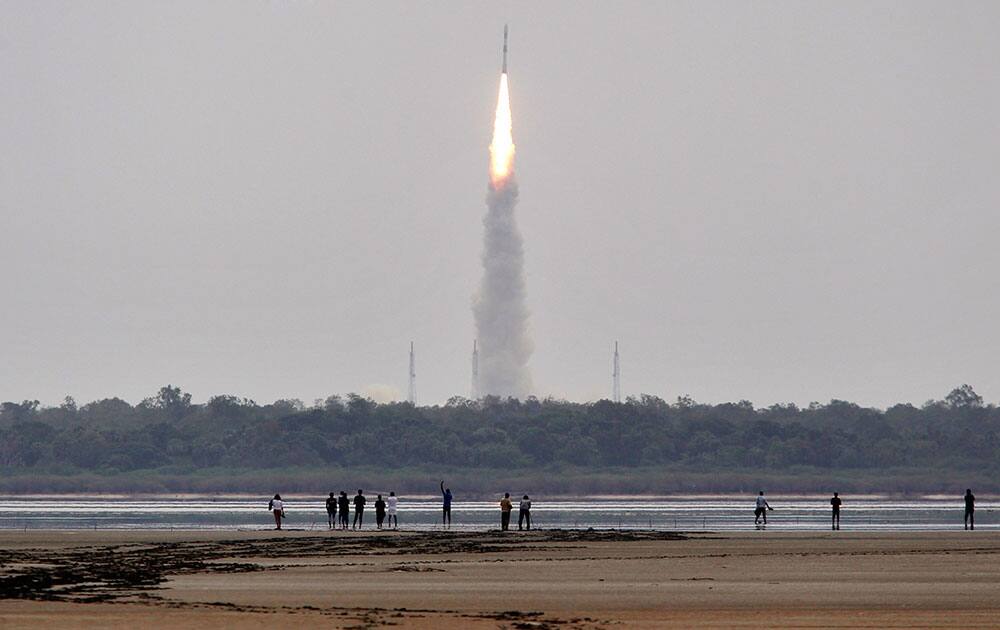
970, 509
393, 506
505, 507
525, 516
359, 510
445, 505
331, 509
344, 505
278, 507
761, 509
379, 511
835, 504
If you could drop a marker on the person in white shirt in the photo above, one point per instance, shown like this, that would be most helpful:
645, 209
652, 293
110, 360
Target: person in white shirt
761, 509
276, 506
393, 503
525, 514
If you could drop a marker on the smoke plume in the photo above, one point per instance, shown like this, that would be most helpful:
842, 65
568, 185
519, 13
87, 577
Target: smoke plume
500, 307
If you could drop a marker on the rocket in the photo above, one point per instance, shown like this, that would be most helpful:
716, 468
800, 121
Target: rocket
503, 69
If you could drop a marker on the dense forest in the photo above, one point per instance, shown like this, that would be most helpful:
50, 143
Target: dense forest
645, 444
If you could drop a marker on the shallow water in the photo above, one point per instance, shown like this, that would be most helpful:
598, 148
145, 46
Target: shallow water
871, 514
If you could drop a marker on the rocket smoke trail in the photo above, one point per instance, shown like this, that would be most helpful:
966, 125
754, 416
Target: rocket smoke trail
500, 308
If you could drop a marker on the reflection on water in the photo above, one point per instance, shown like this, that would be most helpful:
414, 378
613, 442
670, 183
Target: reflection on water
644, 513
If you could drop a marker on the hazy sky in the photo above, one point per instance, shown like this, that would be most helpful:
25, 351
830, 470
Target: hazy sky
762, 200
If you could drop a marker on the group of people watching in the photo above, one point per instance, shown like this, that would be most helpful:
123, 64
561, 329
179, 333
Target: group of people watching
338, 510
506, 506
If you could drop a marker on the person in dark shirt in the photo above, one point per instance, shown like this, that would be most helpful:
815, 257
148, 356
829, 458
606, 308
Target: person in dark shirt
835, 504
379, 511
344, 505
331, 509
970, 509
359, 510
445, 505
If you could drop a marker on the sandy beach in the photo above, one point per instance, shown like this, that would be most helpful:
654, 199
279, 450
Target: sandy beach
550, 579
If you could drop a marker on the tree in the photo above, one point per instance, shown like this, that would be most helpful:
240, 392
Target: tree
229, 407
69, 404
685, 402
963, 396
171, 399
19, 412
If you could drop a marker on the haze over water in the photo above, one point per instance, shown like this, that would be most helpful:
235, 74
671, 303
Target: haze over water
712, 514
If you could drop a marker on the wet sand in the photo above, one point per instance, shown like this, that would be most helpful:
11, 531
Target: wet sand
554, 579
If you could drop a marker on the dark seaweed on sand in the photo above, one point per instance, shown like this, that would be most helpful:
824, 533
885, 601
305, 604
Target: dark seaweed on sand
127, 572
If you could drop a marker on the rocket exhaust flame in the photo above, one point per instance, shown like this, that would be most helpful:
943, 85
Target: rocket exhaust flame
502, 146
500, 307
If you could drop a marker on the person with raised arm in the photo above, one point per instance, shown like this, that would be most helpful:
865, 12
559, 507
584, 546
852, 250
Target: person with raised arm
445, 505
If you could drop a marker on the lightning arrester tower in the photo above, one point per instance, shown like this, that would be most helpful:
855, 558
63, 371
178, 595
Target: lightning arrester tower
412, 396
616, 376
475, 369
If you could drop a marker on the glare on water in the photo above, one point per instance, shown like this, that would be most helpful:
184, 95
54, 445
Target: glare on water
717, 514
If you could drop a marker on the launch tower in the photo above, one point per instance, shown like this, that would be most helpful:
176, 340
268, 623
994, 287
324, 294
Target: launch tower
412, 395
616, 377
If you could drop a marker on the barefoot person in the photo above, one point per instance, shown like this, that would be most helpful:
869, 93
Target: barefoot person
276, 506
379, 511
970, 509
331, 510
505, 507
835, 504
445, 505
524, 518
761, 509
359, 510
393, 505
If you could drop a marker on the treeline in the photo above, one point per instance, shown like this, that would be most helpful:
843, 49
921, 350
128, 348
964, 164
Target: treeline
170, 434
